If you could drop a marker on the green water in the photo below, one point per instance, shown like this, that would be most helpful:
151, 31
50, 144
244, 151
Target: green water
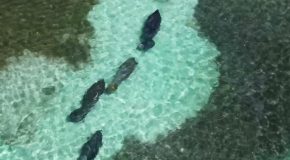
172, 82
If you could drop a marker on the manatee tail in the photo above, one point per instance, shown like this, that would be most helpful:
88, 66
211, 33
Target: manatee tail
146, 45
77, 115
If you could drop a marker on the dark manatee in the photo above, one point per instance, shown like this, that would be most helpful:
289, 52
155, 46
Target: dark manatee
149, 30
124, 71
93, 93
151, 26
90, 149
90, 98
77, 115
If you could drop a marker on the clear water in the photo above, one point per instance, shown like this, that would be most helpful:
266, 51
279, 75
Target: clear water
171, 83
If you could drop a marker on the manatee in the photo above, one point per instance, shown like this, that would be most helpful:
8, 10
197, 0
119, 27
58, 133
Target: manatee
93, 93
90, 149
150, 28
90, 98
77, 115
124, 71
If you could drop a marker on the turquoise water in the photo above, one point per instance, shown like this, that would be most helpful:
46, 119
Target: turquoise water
172, 82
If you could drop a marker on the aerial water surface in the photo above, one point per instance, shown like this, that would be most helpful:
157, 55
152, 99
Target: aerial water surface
171, 82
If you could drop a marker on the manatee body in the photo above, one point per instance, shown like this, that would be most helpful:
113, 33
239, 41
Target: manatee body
124, 71
90, 149
149, 30
90, 98
93, 93
151, 26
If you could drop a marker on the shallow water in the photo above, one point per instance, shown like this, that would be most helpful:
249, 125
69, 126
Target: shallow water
172, 82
